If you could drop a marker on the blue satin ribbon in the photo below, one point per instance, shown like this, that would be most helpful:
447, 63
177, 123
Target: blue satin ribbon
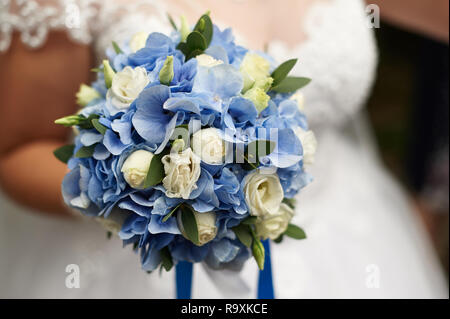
265, 281
183, 273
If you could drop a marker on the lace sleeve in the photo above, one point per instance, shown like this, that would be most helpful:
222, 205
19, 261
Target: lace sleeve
93, 22
33, 20
340, 55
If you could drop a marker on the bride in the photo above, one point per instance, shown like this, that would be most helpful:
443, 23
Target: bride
364, 239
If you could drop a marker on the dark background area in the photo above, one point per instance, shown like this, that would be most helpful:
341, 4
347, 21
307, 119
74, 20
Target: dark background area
409, 112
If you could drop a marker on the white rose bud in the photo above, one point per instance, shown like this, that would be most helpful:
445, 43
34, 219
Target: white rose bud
209, 146
206, 226
138, 41
182, 173
135, 168
207, 60
300, 99
126, 86
263, 194
309, 143
272, 226
86, 94
113, 223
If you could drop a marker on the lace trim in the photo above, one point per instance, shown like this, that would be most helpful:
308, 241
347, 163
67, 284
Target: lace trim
34, 20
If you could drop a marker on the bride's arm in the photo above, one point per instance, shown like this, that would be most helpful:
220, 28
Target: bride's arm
427, 17
36, 87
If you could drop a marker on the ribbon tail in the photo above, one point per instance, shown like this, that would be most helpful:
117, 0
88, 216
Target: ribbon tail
265, 282
183, 276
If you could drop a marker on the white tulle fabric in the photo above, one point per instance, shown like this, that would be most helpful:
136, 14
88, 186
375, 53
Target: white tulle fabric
364, 238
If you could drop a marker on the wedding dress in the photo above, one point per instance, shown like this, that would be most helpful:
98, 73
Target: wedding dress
364, 240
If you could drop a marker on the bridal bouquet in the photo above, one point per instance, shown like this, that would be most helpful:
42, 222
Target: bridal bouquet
190, 148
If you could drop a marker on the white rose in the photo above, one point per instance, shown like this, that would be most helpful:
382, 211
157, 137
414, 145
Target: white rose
309, 143
182, 173
300, 99
126, 86
209, 146
207, 60
138, 41
272, 226
135, 168
113, 223
263, 194
206, 226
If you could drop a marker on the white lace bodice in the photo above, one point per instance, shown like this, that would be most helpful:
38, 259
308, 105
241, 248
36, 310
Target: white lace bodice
339, 53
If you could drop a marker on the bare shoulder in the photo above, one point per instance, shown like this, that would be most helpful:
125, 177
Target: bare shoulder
37, 86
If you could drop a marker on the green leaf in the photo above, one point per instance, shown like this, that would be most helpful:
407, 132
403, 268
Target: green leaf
244, 234
86, 123
205, 27
98, 126
166, 259
258, 252
196, 41
97, 70
116, 47
156, 172
194, 54
251, 220
86, 151
183, 47
291, 84
64, 153
189, 224
295, 232
172, 22
282, 71
166, 218
290, 202
278, 240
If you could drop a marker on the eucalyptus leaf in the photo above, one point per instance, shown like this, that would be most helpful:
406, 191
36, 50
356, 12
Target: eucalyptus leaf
86, 122
172, 22
295, 232
282, 71
251, 220
189, 224
278, 240
166, 259
206, 28
291, 84
86, 151
64, 153
155, 173
290, 202
116, 47
243, 233
99, 127
166, 218
196, 41
194, 54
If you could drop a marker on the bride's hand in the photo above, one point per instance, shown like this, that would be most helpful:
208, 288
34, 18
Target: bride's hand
37, 87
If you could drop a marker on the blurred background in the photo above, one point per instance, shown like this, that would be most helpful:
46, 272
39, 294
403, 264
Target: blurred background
409, 112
